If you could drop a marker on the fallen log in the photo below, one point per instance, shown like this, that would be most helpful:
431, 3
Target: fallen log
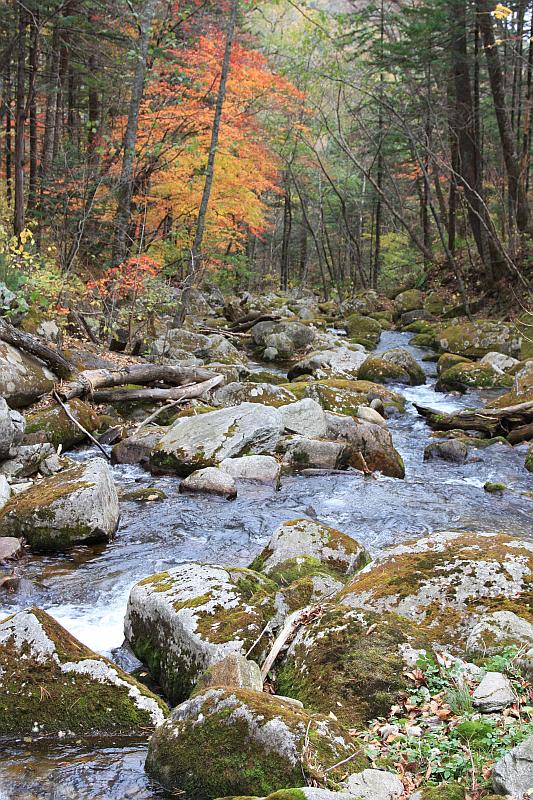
246, 323
35, 347
490, 421
91, 380
176, 393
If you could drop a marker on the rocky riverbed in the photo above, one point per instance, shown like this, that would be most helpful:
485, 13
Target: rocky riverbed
86, 588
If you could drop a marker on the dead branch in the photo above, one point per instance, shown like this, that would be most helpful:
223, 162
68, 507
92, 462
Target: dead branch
35, 347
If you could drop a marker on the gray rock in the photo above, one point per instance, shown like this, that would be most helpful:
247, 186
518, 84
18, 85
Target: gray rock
5, 491
10, 548
19, 426
305, 537
7, 430
502, 629
136, 449
210, 480
77, 506
494, 693
281, 340
207, 439
513, 774
184, 620
250, 392
499, 361
372, 444
264, 469
369, 414
403, 358
305, 417
450, 450
414, 316
26, 460
233, 671
302, 453
374, 784
23, 378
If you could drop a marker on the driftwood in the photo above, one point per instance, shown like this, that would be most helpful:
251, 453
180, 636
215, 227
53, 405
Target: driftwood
294, 621
176, 393
91, 380
513, 422
246, 323
35, 347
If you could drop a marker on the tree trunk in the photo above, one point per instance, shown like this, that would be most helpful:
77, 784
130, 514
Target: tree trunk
89, 381
125, 188
20, 124
196, 252
516, 188
34, 64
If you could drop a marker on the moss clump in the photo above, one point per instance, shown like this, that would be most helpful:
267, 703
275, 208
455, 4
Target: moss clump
448, 360
495, 488
410, 300
472, 374
149, 494
58, 428
345, 396
419, 326
334, 665
425, 340
35, 690
476, 339
529, 459
378, 370
264, 376
444, 791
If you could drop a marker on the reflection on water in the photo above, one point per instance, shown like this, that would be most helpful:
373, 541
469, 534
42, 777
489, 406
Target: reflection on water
88, 589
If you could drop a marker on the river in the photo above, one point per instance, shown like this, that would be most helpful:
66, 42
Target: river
87, 589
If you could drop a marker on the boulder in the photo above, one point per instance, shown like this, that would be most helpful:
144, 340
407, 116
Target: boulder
19, 426
252, 392
513, 774
256, 744
76, 506
494, 693
403, 358
451, 450
448, 360
23, 378
7, 430
372, 444
210, 480
378, 370
10, 548
299, 452
522, 390
499, 362
491, 572
341, 362
472, 375
136, 449
305, 417
374, 784
419, 315
282, 340
206, 440
50, 682
26, 460
58, 427
345, 397
499, 630
234, 671
182, 621
369, 414
299, 543
410, 300
264, 469
349, 662
524, 326
436, 303
363, 330
476, 339
529, 459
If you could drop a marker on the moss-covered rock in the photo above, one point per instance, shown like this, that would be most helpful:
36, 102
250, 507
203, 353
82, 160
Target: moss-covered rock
472, 375
410, 300
492, 487
23, 378
529, 459
363, 330
447, 581
298, 547
524, 325
444, 791
436, 303
476, 339
403, 358
77, 506
252, 392
429, 339
50, 682
334, 665
58, 427
378, 370
372, 445
448, 360
345, 397
256, 745
265, 376
181, 621
148, 494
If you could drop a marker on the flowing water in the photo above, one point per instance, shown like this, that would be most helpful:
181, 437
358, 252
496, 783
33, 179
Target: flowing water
87, 590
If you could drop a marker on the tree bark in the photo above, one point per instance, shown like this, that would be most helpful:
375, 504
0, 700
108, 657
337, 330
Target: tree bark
89, 381
20, 123
125, 188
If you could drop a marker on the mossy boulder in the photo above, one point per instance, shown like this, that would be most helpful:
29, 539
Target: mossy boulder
447, 581
23, 378
522, 391
181, 621
363, 330
499, 630
345, 397
524, 326
529, 459
206, 440
50, 682
448, 360
378, 370
301, 547
335, 664
435, 303
476, 339
372, 445
77, 506
265, 376
410, 300
256, 744
403, 358
251, 392
59, 428
472, 375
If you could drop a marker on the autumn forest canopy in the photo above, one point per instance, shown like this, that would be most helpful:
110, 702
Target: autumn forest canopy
149, 146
